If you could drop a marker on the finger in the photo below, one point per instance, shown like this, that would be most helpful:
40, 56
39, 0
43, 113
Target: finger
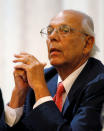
19, 60
18, 56
28, 55
21, 73
21, 66
22, 58
24, 53
25, 78
20, 82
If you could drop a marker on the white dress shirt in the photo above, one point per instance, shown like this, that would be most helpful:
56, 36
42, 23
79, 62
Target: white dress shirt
12, 116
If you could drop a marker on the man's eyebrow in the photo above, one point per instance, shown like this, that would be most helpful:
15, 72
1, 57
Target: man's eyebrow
62, 24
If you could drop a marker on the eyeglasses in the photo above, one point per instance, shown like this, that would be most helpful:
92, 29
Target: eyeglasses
62, 30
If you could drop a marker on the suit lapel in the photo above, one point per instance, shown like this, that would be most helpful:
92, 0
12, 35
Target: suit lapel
77, 88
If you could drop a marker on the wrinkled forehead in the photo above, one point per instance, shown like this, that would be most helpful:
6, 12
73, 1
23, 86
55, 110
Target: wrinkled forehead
67, 18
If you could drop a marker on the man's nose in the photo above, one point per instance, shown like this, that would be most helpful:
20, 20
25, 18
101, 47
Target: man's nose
54, 36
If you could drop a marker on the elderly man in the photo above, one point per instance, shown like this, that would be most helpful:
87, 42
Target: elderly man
69, 96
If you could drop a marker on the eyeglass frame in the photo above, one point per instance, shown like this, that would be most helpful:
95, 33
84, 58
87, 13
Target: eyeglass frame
57, 29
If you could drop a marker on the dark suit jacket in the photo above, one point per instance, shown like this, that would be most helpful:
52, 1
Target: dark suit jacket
1, 103
81, 111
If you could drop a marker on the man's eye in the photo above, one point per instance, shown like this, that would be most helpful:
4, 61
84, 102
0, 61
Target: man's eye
64, 29
49, 30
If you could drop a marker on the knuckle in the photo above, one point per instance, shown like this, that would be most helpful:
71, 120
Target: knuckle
36, 64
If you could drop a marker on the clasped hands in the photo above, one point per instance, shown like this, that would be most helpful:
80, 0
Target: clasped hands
30, 73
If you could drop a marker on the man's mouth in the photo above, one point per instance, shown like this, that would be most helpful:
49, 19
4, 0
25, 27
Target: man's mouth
54, 51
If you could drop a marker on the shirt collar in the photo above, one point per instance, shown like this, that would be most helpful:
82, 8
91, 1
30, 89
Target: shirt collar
68, 82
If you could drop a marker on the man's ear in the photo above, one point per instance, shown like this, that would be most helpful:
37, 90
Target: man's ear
89, 42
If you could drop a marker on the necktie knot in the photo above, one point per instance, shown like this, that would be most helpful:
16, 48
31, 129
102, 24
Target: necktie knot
58, 97
60, 89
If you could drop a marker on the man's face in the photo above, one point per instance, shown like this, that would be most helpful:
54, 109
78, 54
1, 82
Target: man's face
65, 48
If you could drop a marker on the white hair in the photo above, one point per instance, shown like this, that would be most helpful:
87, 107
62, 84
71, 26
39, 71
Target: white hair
88, 28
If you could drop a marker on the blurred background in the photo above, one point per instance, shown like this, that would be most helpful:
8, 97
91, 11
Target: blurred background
20, 25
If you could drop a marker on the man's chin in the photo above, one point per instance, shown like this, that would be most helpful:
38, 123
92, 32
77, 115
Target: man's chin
55, 63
